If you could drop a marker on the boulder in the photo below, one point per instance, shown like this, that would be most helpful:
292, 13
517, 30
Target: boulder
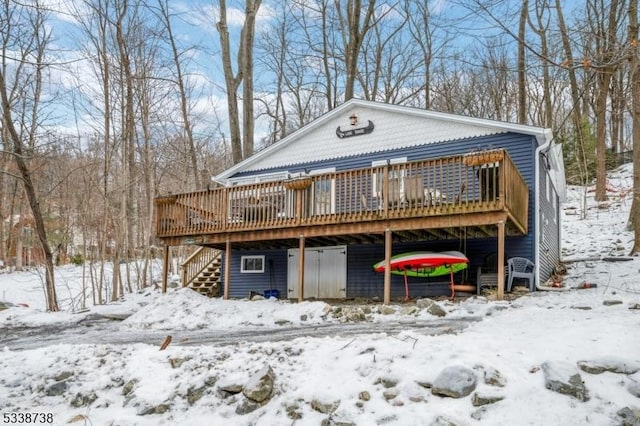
629, 416
493, 377
455, 381
432, 307
247, 406
325, 407
260, 385
610, 364
57, 389
564, 378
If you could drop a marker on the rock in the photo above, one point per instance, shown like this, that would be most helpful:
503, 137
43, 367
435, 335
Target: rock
386, 310
612, 364
364, 396
194, 394
630, 416
57, 389
81, 400
158, 409
304, 317
478, 400
426, 385
390, 394
478, 414
409, 310
260, 386
128, 387
293, 411
176, 362
455, 382
612, 302
282, 322
564, 378
225, 391
582, 307
493, 377
324, 407
388, 382
247, 406
211, 380
355, 315
63, 376
432, 307
634, 388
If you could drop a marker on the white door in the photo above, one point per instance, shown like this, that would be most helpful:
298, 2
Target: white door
325, 273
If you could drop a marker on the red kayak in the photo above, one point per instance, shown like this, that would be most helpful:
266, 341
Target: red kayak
424, 260
425, 264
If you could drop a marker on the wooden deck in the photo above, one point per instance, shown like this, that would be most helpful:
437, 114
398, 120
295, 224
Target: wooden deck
431, 199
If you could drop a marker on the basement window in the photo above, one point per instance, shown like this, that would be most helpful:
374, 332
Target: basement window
252, 264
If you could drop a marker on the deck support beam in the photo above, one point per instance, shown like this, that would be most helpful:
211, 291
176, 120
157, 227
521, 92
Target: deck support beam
387, 267
165, 268
301, 269
227, 269
500, 295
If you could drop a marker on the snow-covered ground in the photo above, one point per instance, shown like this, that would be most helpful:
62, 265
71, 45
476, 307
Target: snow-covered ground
502, 368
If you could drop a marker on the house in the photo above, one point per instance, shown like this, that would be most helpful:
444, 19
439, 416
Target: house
309, 216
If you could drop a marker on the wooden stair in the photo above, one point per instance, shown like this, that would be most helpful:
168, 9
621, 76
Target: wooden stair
202, 272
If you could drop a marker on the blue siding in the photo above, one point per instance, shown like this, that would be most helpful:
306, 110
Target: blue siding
362, 281
274, 276
549, 235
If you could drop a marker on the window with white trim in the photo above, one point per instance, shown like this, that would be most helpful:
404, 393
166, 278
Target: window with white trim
252, 264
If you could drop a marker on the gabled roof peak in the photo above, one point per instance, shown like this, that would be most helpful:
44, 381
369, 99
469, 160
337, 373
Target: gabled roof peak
359, 127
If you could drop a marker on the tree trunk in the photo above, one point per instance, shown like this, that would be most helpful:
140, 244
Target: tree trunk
35, 53
634, 63
522, 63
246, 46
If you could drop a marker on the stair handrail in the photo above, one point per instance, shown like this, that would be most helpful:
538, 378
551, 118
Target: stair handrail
198, 262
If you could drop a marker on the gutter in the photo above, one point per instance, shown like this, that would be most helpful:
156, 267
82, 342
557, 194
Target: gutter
548, 136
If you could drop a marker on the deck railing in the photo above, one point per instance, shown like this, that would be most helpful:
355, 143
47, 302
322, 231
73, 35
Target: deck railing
197, 262
475, 182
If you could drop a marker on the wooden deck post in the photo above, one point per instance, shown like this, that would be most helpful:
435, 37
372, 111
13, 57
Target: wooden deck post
227, 269
501, 277
387, 269
301, 270
165, 268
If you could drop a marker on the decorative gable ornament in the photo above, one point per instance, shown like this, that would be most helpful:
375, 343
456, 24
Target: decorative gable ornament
356, 131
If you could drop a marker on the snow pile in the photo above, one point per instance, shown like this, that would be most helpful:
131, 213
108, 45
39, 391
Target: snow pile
185, 309
546, 358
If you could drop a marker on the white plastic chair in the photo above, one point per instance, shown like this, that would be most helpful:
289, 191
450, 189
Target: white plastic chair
520, 267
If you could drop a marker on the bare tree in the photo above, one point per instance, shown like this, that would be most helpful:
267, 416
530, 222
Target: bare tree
634, 64
355, 25
522, 63
540, 27
180, 81
241, 143
25, 33
430, 38
603, 57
